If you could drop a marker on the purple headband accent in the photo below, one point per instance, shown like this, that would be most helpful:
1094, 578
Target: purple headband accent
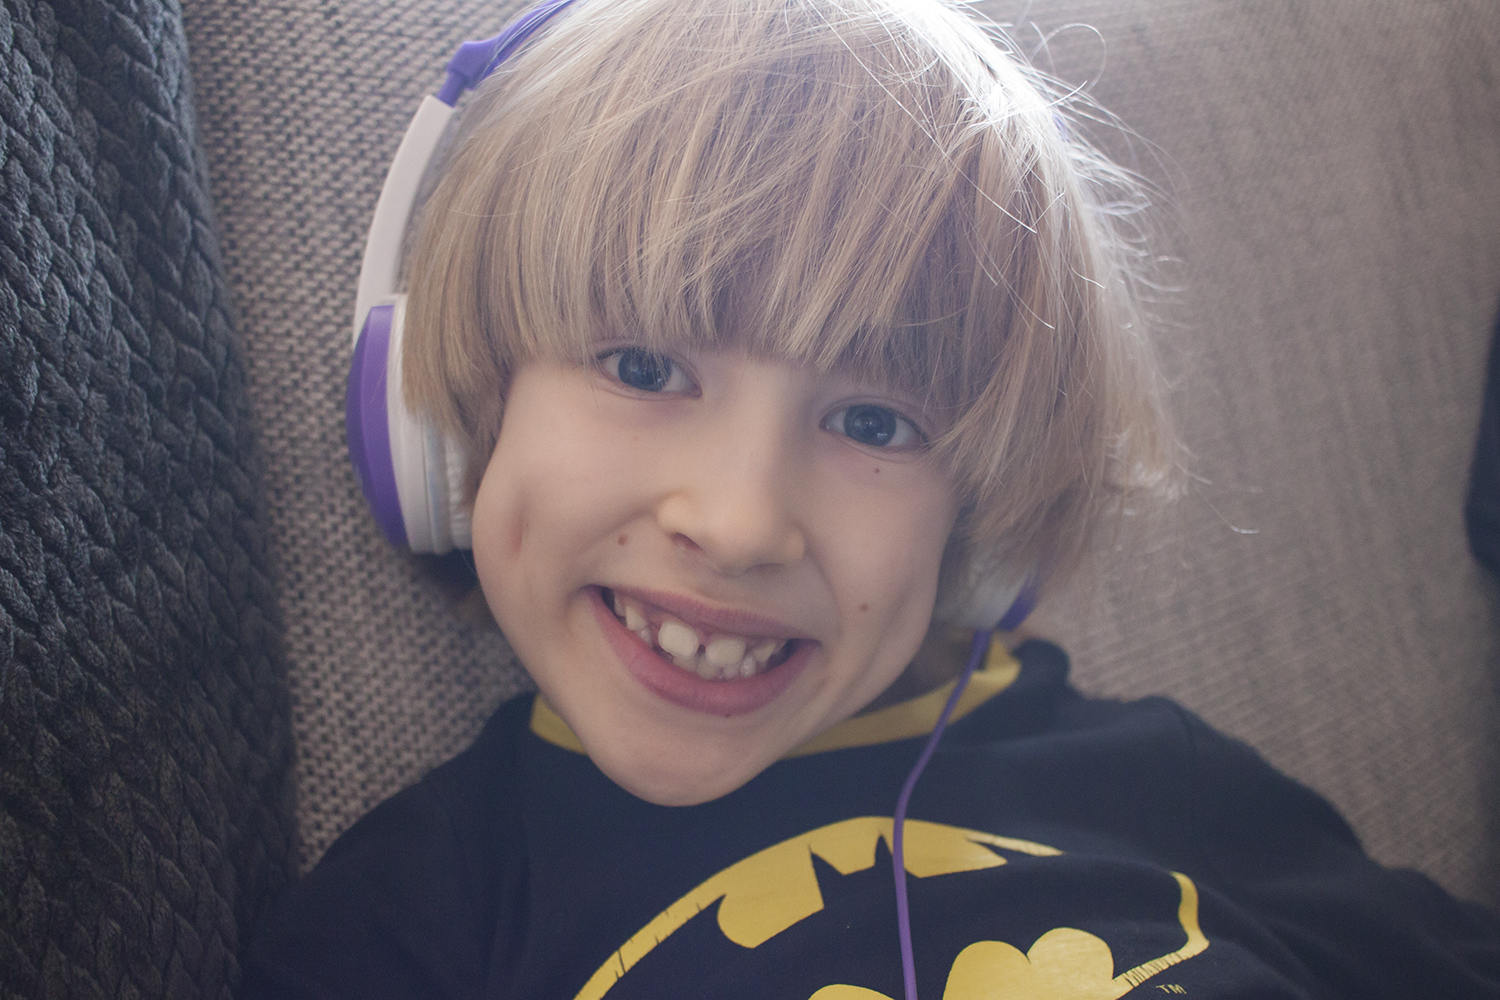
1021, 607
365, 425
476, 60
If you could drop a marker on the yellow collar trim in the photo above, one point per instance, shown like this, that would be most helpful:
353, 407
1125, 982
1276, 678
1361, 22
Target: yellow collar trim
894, 722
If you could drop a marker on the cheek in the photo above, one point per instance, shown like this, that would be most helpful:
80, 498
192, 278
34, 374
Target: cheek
556, 487
892, 554
499, 532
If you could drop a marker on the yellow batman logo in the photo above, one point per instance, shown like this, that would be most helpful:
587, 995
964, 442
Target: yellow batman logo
773, 889
1063, 964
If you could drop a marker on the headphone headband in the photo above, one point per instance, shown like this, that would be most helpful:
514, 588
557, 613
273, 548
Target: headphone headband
473, 61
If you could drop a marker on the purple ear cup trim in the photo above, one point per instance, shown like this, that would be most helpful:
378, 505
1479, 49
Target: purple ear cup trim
1022, 606
476, 60
366, 427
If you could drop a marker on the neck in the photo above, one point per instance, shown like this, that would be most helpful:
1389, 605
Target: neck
937, 661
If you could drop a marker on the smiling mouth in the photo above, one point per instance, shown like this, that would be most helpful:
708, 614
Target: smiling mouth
712, 656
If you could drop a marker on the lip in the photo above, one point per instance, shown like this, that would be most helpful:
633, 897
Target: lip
688, 690
705, 616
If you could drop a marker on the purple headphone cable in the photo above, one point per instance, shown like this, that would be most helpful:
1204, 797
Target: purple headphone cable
982, 639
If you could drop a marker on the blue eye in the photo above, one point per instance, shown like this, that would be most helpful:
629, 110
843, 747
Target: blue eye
874, 426
645, 371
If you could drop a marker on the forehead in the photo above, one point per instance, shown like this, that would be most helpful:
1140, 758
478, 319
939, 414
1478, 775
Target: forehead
703, 220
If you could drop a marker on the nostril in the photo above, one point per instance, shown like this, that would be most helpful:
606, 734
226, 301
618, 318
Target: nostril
685, 542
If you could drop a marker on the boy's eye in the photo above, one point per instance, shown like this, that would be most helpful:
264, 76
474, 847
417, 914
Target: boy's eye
875, 426
645, 371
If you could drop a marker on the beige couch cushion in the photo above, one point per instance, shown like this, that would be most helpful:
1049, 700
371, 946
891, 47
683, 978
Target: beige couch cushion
1337, 170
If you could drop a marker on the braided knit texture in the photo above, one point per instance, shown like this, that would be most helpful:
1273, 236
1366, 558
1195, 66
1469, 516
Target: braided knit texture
145, 790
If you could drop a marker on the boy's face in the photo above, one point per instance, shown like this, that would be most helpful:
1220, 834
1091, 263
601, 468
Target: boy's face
705, 560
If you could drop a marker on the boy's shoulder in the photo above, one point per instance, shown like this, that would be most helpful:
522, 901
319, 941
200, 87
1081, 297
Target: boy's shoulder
417, 874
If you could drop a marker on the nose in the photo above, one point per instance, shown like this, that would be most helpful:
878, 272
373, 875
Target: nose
733, 503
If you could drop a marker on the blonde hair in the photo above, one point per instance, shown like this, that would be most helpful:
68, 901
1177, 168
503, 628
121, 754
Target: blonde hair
865, 185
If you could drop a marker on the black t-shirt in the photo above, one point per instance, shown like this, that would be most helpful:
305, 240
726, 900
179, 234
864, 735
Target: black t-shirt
1057, 846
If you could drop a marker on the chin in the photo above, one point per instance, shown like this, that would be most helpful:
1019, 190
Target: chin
674, 788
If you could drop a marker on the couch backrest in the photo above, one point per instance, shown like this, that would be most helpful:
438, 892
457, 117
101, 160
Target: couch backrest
1336, 167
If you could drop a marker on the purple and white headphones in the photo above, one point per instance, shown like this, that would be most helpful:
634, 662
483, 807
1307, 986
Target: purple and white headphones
411, 473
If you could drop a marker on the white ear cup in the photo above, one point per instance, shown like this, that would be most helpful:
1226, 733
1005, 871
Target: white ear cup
428, 466
990, 595
411, 474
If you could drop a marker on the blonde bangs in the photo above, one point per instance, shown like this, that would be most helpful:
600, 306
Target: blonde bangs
863, 185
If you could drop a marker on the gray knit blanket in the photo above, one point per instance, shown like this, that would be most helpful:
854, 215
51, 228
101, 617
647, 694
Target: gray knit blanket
145, 793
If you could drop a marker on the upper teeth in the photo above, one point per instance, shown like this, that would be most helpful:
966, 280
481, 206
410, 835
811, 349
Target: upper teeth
722, 657
724, 650
677, 639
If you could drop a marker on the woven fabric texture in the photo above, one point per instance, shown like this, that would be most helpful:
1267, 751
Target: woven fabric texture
145, 745
301, 104
1335, 171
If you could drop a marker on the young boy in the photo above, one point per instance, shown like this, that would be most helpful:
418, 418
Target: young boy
777, 337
